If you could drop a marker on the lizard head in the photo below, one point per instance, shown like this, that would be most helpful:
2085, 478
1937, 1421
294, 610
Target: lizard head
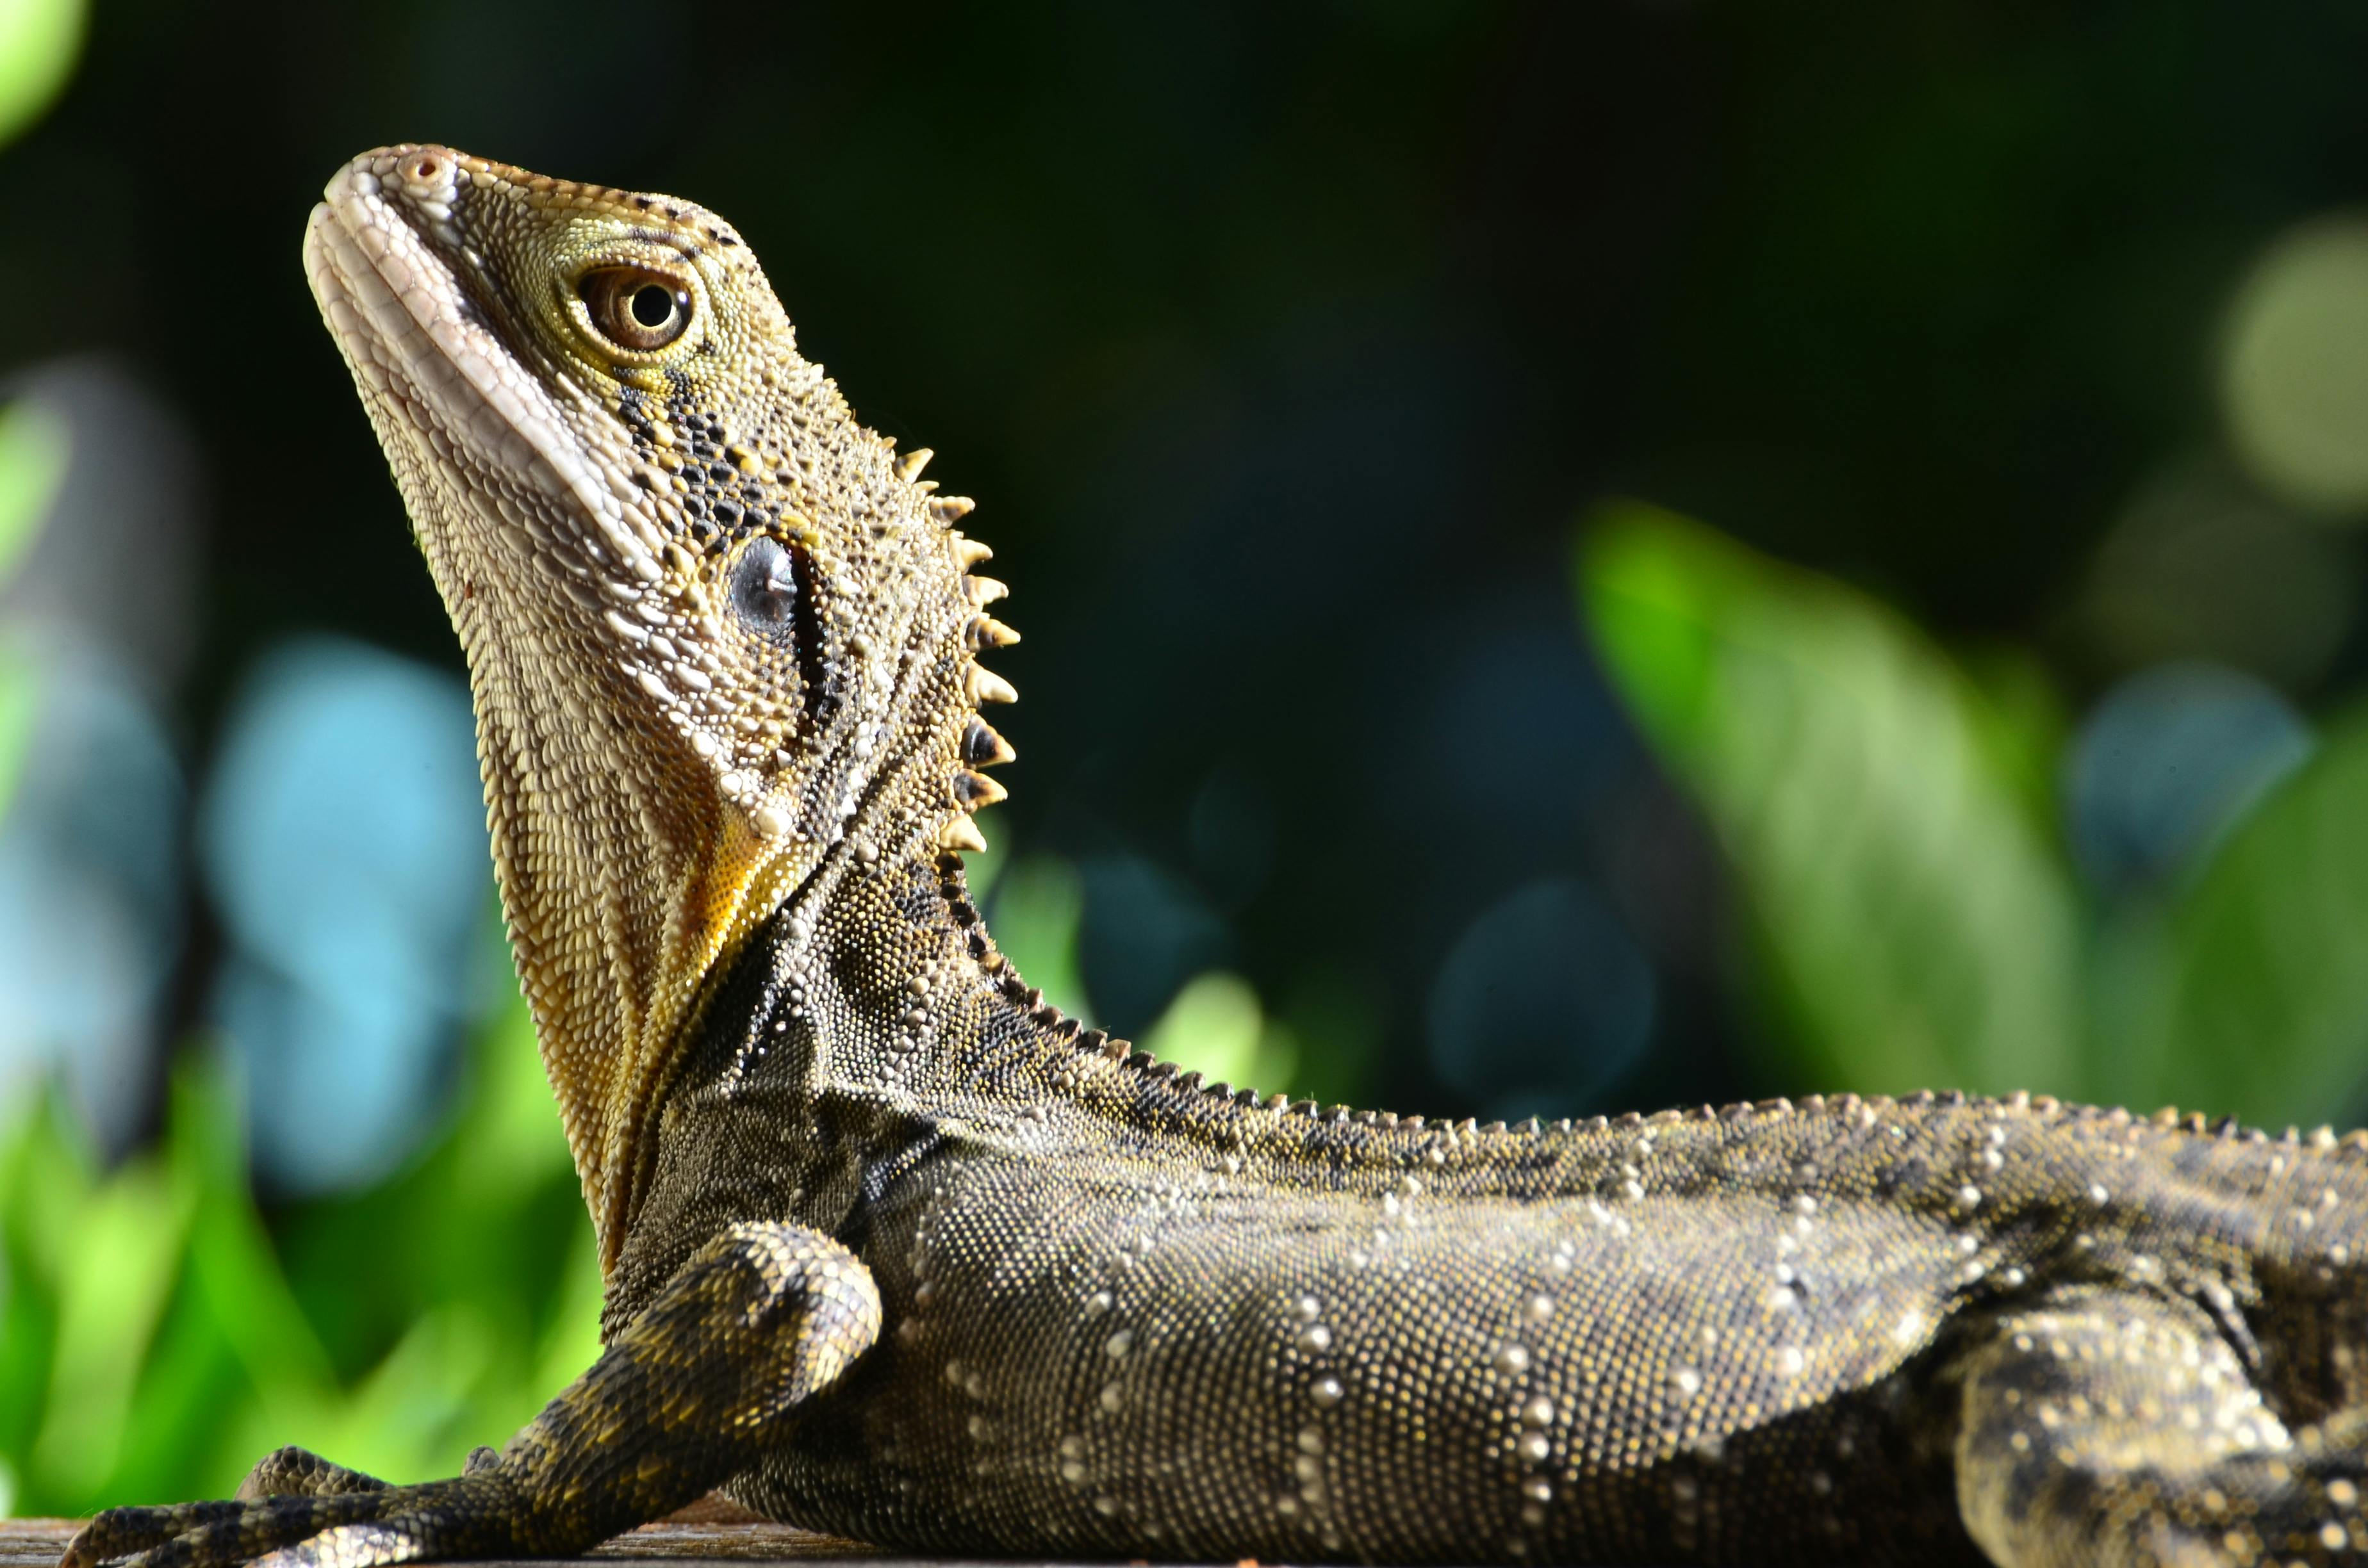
722, 639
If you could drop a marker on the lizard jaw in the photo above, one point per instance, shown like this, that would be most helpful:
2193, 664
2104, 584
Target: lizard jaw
403, 320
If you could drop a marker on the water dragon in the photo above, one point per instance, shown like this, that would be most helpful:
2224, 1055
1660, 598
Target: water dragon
895, 1250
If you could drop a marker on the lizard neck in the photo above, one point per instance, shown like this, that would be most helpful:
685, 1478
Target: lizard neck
866, 1022
867, 1015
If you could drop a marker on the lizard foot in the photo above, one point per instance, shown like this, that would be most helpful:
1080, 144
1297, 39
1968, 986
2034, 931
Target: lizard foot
2122, 1430
754, 1324
474, 1516
211, 1533
255, 1520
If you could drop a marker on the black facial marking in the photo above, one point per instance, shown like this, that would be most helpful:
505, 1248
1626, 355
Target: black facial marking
821, 687
774, 593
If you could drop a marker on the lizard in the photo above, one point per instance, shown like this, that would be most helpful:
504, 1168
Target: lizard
894, 1249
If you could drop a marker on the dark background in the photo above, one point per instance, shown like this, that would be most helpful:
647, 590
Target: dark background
1283, 345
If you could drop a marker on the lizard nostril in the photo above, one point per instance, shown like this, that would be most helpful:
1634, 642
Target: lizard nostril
424, 167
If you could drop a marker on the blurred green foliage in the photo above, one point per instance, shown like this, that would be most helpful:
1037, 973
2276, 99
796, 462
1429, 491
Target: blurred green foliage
34, 447
1910, 920
38, 42
154, 1343
1216, 1024
2255, 982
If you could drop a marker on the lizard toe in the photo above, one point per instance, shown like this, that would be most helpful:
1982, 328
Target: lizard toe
213, 1535
480, 1514
120, 1532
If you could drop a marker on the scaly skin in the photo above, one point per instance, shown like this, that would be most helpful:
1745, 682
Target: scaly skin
893, 1250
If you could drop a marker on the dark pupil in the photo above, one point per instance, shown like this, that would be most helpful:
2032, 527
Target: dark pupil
765, 586
652, 306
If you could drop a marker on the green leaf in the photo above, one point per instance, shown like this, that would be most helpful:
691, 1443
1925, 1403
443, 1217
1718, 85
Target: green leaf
127, 1255
186, 1328
1911, 923
34, 447
38, 42
1036, 908
1216, 1027
47, 1173
2261, 1008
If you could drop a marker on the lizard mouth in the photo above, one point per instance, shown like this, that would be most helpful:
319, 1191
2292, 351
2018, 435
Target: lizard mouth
386, 261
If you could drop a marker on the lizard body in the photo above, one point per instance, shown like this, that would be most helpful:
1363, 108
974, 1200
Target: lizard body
892, 1249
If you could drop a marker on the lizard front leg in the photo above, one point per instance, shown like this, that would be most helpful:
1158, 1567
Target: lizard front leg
2118, 1429
758, 1322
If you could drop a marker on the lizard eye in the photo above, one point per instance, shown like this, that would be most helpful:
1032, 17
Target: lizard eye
635, 308
764, 588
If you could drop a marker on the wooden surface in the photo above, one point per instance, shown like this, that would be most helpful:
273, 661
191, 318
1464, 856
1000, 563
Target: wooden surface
34, 1543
